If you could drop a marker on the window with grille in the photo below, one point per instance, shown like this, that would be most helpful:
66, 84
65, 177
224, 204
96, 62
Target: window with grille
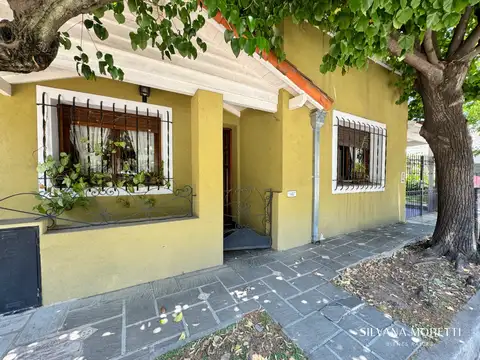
359, 154
111, 138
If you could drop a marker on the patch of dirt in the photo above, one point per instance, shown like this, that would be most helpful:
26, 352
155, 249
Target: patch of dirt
425, 294
255, 337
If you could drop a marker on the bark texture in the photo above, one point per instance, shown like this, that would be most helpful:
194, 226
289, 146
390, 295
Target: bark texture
30, 41
446, 131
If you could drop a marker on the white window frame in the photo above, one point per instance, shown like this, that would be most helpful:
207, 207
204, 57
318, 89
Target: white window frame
373, 148
50, 96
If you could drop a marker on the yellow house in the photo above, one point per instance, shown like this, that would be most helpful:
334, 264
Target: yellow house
204, 150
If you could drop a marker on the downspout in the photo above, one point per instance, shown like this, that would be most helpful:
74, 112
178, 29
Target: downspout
317, 119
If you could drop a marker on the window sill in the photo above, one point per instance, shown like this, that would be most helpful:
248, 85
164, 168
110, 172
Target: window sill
356, 189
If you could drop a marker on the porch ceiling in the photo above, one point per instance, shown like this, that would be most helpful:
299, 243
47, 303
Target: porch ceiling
245, 82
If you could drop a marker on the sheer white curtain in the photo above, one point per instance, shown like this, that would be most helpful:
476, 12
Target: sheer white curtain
146, 149
79, 135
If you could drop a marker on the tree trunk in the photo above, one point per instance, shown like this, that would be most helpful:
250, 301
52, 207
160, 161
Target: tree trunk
446, 131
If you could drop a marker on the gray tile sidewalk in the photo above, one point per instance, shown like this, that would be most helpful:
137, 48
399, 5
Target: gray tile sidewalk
292, 286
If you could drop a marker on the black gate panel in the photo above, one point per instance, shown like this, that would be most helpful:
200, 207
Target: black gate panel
421, 189
19, 269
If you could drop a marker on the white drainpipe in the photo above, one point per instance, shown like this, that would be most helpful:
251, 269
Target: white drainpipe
317, 119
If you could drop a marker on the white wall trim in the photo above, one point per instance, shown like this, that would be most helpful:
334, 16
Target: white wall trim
368, 125
50, 95
232, 109
297, 102
5, 87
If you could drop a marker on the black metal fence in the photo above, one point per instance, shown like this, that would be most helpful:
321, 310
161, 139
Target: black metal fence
421, 190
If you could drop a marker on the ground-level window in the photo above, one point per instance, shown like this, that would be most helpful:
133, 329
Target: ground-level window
359, 154
111, 138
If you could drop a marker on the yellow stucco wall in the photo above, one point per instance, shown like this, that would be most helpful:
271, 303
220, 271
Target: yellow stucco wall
18, 119
368, 94
85, 262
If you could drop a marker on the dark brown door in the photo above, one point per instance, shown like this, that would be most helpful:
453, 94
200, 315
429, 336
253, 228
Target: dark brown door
227, 174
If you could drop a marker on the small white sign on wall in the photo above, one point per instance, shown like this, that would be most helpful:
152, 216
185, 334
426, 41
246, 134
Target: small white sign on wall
291, 193
402, 178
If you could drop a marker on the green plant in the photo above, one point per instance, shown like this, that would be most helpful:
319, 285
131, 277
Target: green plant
68, 184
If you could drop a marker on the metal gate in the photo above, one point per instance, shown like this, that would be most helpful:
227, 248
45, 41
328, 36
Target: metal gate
421, 189
247, 219
19, 269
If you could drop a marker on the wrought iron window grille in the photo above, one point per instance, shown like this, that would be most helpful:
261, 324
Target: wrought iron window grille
359, 155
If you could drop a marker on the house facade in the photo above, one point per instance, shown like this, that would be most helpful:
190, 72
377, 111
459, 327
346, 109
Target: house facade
216, 138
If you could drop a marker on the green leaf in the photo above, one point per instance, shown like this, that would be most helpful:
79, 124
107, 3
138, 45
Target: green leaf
403, 3
344, 20
109, 59
415, 3
182, 336
88, 23
366, 5
250, 46
228, 35
433, 19
406, 41
355, 5
450, 20
100, 31
235, 44
251, 22
361, 24
132, 5
119, 17
99, 54
447, 5
262, 43
404, 15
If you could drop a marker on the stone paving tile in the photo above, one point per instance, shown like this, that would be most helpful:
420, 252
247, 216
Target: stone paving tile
322, 353
143, 354
308, 281
187, 281
43, 322
254, 273
341, 241
229, 278
332, 264
348, 259
188, 297
165, 287
344, 249
219, 297
283, 270
278, 309
281, 287
357, 328
326, 254
106, 342
198, 319
236, 311
351, 302
347, 348
363, 253
252, 289
5, 343
12, 323
326, 273
309, 301
305, 267
295, 259
140, 308
333, 292
148, 332
334, 312
394, 344
311, 331
374, 317
258, 260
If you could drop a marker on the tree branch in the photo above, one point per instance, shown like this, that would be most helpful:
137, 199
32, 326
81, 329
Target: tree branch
469, 44
436, 46
459, 32
429, 48
417, 61
30, 41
